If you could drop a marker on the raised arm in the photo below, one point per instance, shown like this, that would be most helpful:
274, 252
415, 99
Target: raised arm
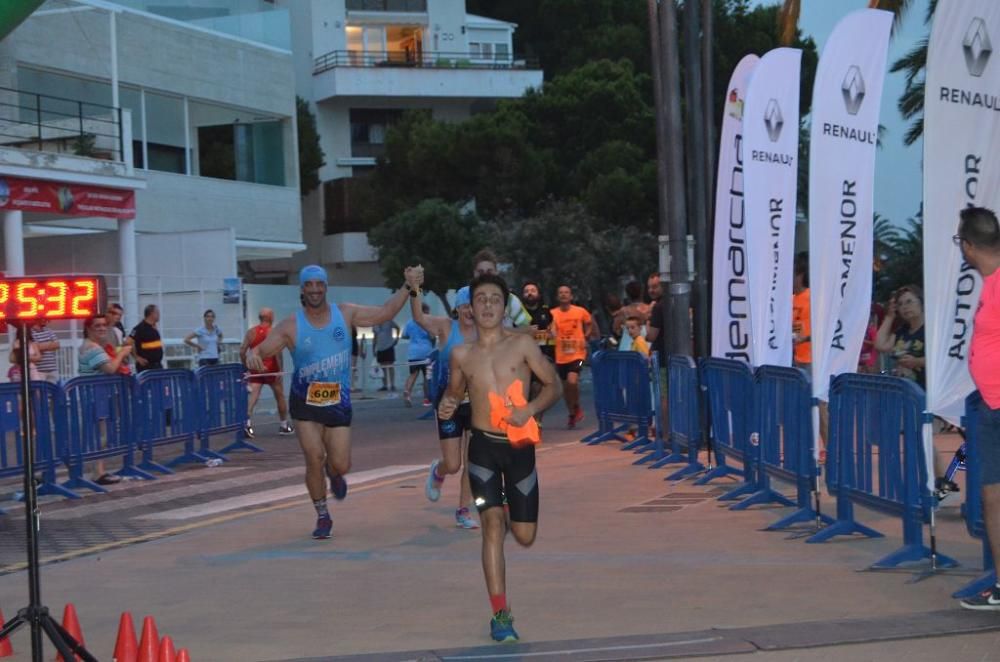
355, 315
437, 326
885, 338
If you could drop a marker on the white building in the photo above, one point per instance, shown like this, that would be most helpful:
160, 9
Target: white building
360, 64
191, 105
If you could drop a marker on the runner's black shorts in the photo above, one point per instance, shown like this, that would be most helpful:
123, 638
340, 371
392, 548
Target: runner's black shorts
498, 469
459, 423
417, 368
565, 368
331, 416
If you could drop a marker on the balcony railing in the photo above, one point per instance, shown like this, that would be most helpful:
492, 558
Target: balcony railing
47, 123
428, 60
387, 5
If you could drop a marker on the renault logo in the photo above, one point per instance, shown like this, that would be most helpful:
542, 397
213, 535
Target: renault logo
853, 89
977, 47
773, 120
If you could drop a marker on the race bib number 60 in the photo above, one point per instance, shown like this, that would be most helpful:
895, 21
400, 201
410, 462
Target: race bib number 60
323, 394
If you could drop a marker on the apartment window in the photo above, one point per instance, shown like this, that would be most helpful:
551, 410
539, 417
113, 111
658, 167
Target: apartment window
387, 5
368, 130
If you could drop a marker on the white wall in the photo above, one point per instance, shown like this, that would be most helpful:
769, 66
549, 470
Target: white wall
163, 56
447, 17
430, 82
177, 203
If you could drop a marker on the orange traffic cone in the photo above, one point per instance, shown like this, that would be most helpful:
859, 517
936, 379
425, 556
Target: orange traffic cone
150, 642
126, 648
183, 656
72, 625
167, 653
6, 650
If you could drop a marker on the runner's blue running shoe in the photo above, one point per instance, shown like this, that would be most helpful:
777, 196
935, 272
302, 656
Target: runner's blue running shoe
502, 627
323, 527
338, 486
464, 521
432, 488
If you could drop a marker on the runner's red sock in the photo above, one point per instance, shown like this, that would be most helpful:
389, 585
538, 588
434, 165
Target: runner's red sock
498, 602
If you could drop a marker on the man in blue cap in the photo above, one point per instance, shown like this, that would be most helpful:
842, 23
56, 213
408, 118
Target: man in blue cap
319, 339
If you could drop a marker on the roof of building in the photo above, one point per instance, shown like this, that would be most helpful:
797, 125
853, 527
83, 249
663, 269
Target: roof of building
472, 20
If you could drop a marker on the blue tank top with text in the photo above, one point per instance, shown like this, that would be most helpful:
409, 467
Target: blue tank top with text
322, 359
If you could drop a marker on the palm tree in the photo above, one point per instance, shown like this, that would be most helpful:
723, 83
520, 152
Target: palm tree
788, 16
911, 103
898, 254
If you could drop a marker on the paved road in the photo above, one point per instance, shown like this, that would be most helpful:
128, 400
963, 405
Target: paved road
626, 566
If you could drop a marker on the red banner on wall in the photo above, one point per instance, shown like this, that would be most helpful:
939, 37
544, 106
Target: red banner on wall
37, 195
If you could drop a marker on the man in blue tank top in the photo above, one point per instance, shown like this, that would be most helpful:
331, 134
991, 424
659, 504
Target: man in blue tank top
319, 340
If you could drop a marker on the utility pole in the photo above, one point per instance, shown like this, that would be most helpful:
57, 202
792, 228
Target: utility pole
662, 182
711, 148
696, 168
673, 235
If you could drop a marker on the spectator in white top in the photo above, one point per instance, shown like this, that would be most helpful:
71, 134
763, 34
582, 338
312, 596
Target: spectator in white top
206, 339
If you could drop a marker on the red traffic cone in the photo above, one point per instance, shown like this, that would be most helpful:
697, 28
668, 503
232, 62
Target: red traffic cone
72, 625
167, 653
150, 642
183, 656
126, 648
6, 650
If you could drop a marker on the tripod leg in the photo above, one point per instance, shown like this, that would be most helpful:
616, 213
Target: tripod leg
68, 640
11, 625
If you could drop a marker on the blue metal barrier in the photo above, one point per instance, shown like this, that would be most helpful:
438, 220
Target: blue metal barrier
222, 402
784, 423
101, 425
974, 520
684, 428
622, 392
167, 412
50, 434
730, 403
876, 459
655, 451
598, 371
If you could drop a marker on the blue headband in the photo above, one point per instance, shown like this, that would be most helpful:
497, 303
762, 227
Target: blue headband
312, 272
462, 298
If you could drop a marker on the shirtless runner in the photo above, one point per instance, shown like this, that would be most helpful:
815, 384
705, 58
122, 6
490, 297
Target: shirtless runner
498, 366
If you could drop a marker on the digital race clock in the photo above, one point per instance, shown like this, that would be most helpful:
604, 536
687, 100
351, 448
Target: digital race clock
51, 297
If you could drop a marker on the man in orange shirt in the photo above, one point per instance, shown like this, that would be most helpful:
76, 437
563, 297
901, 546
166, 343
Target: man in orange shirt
571, 328
801, 326
979, 238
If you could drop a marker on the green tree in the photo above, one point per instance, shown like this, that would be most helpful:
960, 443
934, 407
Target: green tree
566, 34
434, 234
311, 157
911, 102
899, 251
560, 245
